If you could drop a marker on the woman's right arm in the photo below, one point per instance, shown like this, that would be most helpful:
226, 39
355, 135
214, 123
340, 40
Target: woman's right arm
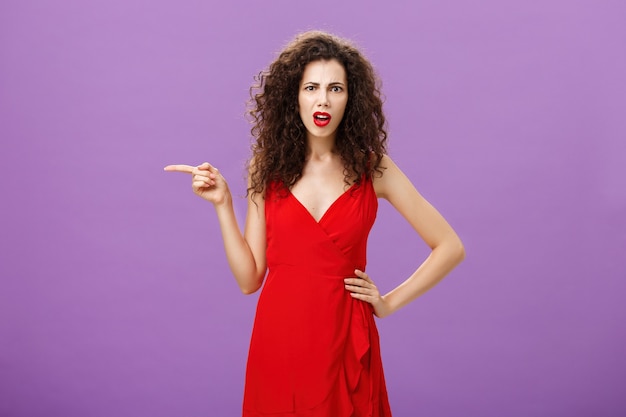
245, 253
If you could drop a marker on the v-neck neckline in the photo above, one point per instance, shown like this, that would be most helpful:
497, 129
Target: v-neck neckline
333, 204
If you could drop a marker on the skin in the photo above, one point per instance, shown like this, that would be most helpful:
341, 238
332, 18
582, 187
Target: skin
324, 88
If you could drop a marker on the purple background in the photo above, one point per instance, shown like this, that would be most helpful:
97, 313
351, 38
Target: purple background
509, 116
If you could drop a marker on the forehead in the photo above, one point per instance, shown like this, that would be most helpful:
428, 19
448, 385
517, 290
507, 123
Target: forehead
324, 71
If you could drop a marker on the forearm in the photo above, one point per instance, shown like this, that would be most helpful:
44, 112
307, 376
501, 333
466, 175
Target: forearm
438, 264
247, 273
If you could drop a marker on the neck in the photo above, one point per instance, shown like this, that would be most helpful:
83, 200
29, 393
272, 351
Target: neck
320, 147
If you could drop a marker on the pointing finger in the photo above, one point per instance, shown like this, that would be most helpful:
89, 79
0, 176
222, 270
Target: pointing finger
187, 169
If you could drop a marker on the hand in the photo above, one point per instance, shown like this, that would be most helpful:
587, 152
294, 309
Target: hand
363, 288
206, 181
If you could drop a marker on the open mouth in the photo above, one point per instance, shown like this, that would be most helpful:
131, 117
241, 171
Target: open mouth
321, 119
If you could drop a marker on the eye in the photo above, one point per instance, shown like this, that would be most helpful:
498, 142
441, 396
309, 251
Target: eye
309, 88
336, 89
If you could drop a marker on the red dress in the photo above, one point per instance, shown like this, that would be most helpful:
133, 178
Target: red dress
315, 350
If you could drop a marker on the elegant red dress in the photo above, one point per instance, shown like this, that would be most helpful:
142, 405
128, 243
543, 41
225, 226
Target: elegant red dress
315, 350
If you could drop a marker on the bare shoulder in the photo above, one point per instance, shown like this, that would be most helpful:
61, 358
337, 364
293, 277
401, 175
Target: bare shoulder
392, 182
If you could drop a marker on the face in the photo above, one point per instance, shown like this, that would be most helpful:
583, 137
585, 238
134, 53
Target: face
322, 98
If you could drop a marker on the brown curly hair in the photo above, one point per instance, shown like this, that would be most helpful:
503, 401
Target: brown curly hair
279, 151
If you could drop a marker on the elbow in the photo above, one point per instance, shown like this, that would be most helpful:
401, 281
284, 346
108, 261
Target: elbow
249, 281
249, 290
453, 251
252, 286
459, 251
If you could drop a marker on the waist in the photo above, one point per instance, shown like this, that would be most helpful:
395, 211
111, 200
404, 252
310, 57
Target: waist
316, 271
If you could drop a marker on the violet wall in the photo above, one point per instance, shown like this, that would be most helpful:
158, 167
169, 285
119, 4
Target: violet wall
509, 116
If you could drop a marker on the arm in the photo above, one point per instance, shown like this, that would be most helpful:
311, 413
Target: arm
245, 253
447, 249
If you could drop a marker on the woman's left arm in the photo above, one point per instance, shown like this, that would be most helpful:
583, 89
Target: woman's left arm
447, 248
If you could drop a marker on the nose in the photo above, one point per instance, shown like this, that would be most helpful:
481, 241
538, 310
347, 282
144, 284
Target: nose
323, 99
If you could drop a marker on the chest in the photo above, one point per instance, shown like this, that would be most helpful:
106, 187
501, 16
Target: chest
317, 194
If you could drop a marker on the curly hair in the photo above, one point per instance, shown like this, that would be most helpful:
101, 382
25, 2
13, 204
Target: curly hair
279, 148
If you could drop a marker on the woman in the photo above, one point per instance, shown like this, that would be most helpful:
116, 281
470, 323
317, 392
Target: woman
317, 169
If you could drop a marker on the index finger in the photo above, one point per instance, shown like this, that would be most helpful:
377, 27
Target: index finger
363, 275
187, 169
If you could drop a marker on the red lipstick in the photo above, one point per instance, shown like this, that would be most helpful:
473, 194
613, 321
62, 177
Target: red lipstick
321, 119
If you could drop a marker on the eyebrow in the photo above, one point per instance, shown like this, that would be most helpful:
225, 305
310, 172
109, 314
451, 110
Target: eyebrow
317, 84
